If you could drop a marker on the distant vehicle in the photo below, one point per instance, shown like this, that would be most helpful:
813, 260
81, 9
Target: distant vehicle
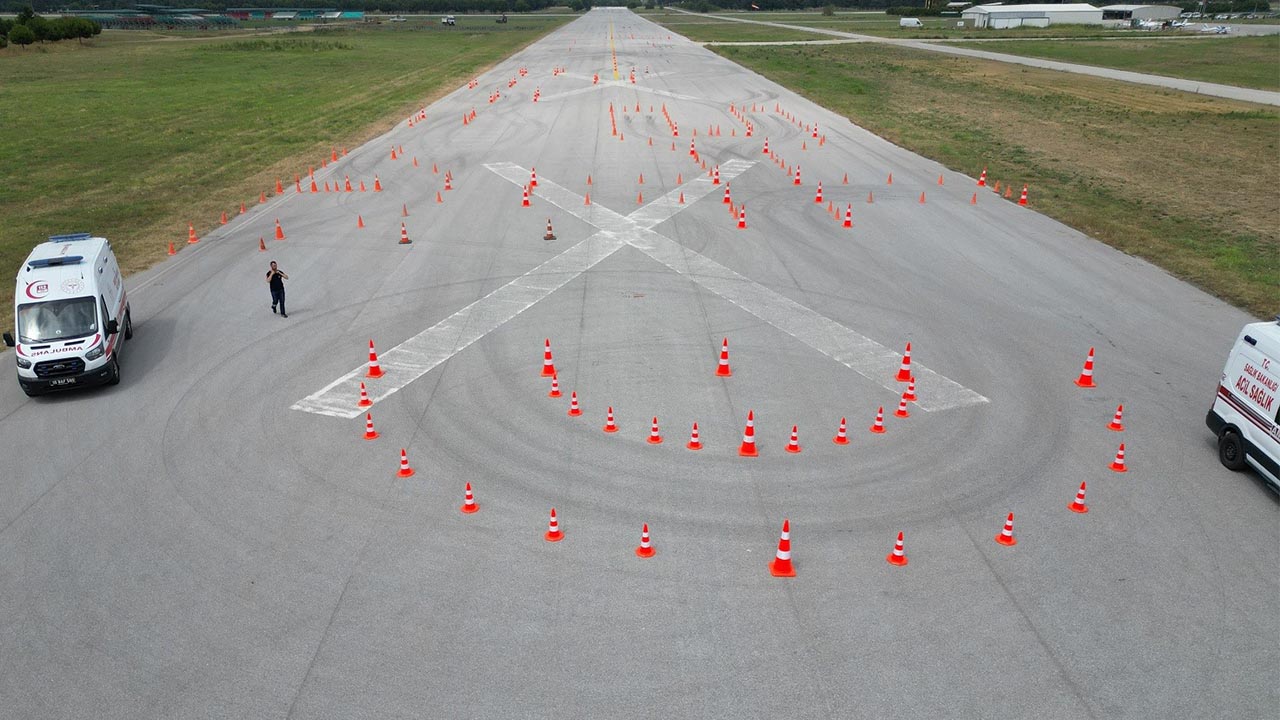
1215, 29
448, 20
502, 18
397, 18
910, 23
71, 314
1180, 24
1246, 411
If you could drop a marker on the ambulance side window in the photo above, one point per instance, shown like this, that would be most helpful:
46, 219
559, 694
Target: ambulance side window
106, 317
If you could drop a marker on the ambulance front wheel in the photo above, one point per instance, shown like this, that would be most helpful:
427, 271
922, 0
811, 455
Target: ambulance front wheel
128, 324
1231, 450
113, 378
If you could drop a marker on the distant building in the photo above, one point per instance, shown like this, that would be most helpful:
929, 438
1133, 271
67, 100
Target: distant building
1134, 15
1042, 15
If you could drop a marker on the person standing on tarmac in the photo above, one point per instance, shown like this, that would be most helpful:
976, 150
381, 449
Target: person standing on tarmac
275, 279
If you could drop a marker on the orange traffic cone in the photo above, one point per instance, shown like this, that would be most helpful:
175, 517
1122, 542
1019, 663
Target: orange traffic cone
524, 202
818, 198
574, 410
639, 198
393, 153
723, 368
797, 180
549, 234
939, 179
404, 210
609, 425
364, 398
279, 230
469, 504
555, 386
191, 234
871, 198
694, 442
548, 367
681, 197
890, 181
375, 370
878, 426
533, 177
922, 197
974, 200
1023, 199
405, 470
655, 438
172, 251
897, 557
794, 445
781, 565
1078, 505
553, 529
1006, 535
902, 407
404, 235
842, 435
369, 432
1086, 375
1115, 423
982, 179
727, 199
742, 217
846, 179
645, 550
748, 448
904, 370
439, 197
223, 221
848, 216
279, 187
359, 221
262, 245
1118, 464
377, 184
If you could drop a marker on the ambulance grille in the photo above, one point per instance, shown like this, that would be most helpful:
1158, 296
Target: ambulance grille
59, 368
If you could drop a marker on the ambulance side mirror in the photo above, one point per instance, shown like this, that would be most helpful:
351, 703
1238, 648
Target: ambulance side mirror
8, 339
113, 327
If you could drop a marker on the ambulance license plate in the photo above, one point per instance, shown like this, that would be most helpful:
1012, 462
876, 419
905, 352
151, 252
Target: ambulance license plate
63, 381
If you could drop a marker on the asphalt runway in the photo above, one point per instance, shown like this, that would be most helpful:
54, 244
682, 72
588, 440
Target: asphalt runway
214, 539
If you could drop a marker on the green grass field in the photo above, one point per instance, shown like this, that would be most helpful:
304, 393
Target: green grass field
1188, 182
134, 135
1244, 61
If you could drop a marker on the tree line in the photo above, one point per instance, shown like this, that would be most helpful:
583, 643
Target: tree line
28, 28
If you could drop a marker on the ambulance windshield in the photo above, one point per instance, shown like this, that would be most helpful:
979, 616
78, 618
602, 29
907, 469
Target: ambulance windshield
57, 320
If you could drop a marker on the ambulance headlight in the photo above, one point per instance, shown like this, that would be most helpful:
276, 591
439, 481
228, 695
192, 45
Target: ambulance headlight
24, 363
95, 352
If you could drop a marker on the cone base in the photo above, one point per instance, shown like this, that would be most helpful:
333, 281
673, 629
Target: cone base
896, 559
1006, 540
548, 370
723, 371
793, 448
877, 429
1085, 382
910, 398
903, 376
371, 435
1078, 507
405, 242
575, 413
1115, 428
645, 552
556, 536
611, 428
694, 446
781, 569
374, 373
470, 508
901, 413
840, 440
555, 394
407, 472
364, 404
748, 451
655, 441
1118, 468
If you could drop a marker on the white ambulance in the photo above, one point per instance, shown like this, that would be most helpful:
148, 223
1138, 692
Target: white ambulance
1246, 413
71, 313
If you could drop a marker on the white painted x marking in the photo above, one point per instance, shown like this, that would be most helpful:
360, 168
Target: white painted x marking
418, 355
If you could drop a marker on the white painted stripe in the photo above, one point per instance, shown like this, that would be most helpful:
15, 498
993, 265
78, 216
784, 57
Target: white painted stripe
863, 355
421, 353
